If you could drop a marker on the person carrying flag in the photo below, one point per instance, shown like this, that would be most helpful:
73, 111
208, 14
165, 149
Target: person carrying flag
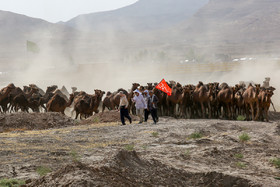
152, 106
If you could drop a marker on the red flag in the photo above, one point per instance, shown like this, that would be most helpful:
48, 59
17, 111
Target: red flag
163, 86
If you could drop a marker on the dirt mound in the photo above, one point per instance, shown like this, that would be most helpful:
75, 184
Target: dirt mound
127, 169
107, 117
32, 121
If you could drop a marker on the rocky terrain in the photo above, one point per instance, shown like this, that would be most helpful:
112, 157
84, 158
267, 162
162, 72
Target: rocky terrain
175, 152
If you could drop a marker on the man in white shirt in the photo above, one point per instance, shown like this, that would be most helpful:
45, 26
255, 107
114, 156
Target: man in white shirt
140, 104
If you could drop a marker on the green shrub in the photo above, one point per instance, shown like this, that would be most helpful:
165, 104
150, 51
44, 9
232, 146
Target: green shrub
42, 171
155, 134
96, 120
240, 165
241, 118
276, 162
11, 182
239, 155
196, 135
244, 137
129, 147
75, 156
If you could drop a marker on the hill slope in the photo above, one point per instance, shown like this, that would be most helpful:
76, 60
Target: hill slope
142, 16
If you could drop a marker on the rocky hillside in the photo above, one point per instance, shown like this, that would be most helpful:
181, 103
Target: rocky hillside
144, 15
235, 25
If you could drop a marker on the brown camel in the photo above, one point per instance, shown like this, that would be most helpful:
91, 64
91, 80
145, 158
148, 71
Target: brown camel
20, 100
58, 103
174, 99
85, 104
239, 107
131, 106
4, 97
264, 102
186, 103
251, 101
225, 98
202, 96
4, 92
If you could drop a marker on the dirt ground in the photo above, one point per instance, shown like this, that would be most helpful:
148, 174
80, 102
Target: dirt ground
166, 154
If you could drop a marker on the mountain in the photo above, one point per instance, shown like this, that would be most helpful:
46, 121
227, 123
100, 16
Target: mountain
144, 15
17, 29
234, 27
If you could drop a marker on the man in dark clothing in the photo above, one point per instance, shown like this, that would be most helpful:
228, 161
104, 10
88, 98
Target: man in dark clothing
152, 106
123, 108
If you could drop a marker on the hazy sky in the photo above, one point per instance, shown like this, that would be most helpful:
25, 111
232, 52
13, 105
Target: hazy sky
60, 10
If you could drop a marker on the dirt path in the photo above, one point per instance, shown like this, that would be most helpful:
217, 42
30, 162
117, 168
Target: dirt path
218, 150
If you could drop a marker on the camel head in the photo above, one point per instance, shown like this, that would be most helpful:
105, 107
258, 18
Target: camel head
135, 86
200, 83
109, 93
272, 88
11, 86
51, 88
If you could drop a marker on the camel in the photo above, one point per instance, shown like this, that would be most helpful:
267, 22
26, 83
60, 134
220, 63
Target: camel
186, 103
4, 97
264, 98
112, 100
159, 95
201, 96
106, 102
225, 98
239, 103
58, 103
251, 100
174, 99
4, 92
131, 106
19, 99
85, 104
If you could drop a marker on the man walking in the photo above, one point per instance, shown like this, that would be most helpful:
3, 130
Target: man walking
140, 104
123, 108
146, 111
152, 106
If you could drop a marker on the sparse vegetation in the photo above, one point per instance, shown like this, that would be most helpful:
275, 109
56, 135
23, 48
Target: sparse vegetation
96, 119
42, 170
187, 153
196, 135
241, 118
155, 134
244, 137
11, 182
241, 165
239, 156
75, 156
129, 147
276, 162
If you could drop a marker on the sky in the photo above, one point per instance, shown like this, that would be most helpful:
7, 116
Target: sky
60, 10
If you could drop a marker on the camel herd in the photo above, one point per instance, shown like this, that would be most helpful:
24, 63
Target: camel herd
13, 99
212, 100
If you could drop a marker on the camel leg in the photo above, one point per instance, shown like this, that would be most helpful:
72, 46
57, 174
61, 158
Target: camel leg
209, 108
266, 114
202, 110
258, 111
229, 111
77, 114
252, 111
273, 106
